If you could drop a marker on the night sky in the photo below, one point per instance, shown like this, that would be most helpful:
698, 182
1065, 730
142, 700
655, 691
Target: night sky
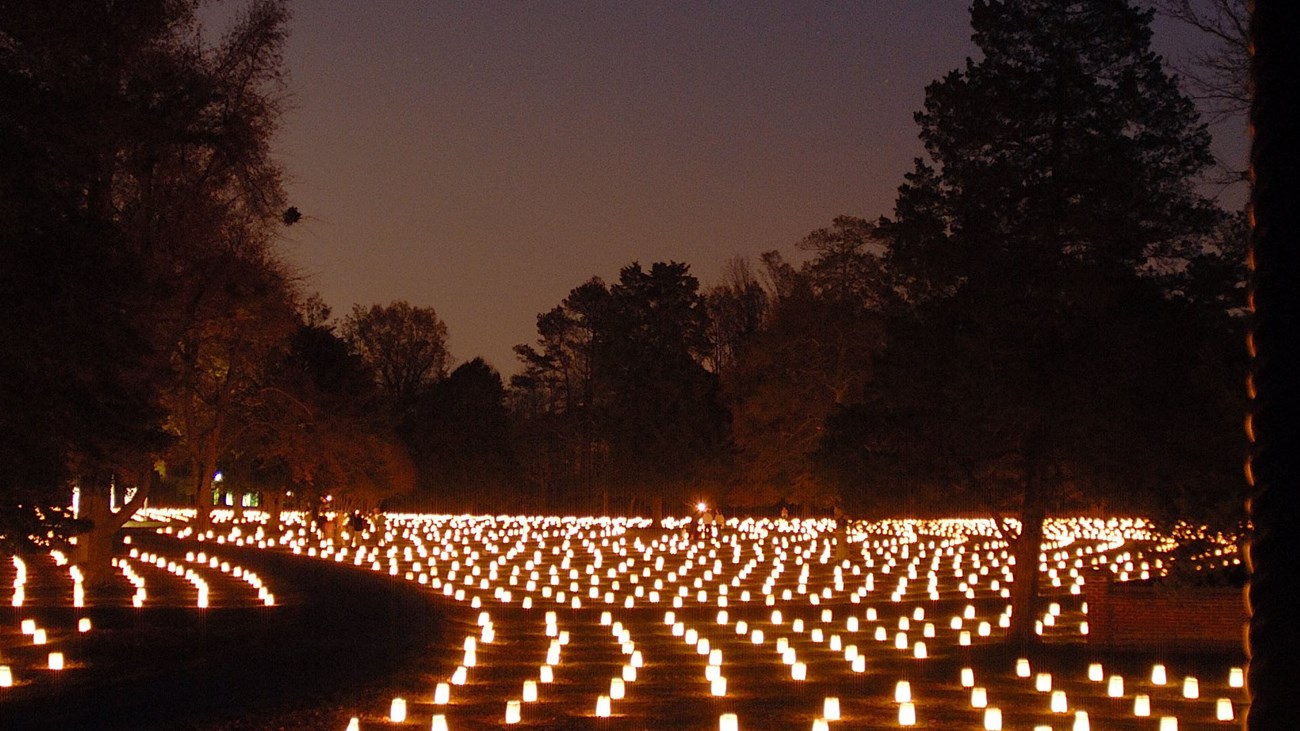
484, 158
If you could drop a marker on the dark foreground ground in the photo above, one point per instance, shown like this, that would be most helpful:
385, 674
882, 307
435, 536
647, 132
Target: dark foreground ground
337, 637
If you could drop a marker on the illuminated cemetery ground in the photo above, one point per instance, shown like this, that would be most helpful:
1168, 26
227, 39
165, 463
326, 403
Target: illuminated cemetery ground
560, 622
50, 608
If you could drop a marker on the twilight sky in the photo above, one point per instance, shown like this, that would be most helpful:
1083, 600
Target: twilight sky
486, 157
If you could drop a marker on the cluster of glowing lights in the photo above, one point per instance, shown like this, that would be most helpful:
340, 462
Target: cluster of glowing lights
788, 589
24, 667
189, 570
53, 660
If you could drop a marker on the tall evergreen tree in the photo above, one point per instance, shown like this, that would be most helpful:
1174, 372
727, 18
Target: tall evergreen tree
1062, 164
660, 409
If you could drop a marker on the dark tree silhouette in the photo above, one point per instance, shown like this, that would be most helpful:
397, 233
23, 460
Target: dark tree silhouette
405, 346
459, 434
811, 357
114, 229
1062, 171
614, 400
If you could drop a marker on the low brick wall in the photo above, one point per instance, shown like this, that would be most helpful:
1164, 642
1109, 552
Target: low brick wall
1121, 615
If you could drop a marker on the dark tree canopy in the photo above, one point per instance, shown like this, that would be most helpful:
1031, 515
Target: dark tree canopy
323, 432
812, 355
614, 399
113, 230
1036, 359
736, 310
459, 435
404, 345
1066, 143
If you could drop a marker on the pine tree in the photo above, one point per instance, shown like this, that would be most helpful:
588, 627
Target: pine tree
1036, 358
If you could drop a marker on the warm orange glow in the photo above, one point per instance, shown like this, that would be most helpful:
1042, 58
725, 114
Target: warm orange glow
782, 577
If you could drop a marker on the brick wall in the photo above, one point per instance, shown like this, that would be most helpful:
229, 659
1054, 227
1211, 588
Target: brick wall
1121, 615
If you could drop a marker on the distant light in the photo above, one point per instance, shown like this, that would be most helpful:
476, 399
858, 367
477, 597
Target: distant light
1158, 674
1236, 678
397, 710
1223, 709
831, 708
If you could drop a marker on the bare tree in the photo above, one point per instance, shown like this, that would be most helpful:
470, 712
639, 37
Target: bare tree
1220, 75
406, 346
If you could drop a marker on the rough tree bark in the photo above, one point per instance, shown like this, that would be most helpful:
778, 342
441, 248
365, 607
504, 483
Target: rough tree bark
1025, 548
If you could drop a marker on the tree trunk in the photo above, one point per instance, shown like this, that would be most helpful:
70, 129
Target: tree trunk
204, 470
275, 517
1025, 548
203, 503
94, 549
